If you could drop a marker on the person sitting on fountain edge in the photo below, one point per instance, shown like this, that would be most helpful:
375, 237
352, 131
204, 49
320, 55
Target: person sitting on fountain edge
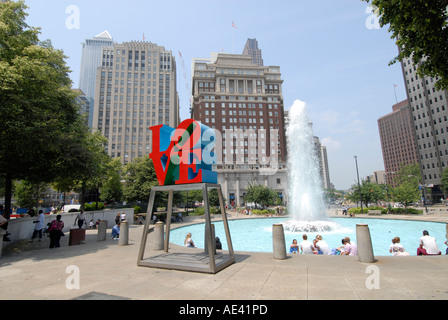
350, 247
322, 246
294, 248
306, 247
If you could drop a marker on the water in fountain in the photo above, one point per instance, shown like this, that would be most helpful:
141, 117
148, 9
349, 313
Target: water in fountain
306, 202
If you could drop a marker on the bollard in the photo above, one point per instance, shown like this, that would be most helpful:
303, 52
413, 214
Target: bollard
213, 240
278, 241
102, 227
158, 242
123, 240
365, 248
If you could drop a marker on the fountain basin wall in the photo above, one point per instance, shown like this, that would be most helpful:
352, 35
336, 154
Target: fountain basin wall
255, 235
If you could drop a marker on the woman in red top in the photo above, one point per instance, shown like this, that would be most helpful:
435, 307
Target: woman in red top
56, 232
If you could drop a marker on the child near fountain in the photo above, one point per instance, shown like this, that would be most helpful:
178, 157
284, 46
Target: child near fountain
294, 248
396, 248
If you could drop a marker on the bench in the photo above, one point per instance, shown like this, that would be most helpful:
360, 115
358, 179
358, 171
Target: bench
374, 212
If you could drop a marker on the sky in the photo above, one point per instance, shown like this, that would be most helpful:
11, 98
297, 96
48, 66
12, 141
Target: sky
332, 55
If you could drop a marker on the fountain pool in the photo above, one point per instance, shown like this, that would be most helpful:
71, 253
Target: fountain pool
255, 235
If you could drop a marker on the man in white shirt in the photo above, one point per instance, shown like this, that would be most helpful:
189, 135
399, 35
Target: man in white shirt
322, 245
428, 245
306, 247
39, 225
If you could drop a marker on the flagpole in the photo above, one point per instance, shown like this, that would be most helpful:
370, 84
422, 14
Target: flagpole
233, 37
233, 41
395, 91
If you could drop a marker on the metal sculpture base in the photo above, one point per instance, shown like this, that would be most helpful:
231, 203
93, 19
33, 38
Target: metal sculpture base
196, 262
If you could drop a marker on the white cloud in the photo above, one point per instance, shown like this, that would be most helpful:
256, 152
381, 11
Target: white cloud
331, 143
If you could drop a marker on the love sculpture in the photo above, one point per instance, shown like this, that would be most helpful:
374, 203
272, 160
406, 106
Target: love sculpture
183, 160
184, 155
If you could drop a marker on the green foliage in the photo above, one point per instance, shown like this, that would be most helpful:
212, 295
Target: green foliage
420, 30
370, 193
28, 193
406, 193
200, 211
43, 136
260, 195
137, 209
93, 206
444, 181
139, 176
409, 173
357, 210
112, 189
263, 212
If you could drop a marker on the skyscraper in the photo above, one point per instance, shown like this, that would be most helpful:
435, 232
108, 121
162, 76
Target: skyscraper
135, 89
397, 140
243, 102
91, 59
251, 49
430, 122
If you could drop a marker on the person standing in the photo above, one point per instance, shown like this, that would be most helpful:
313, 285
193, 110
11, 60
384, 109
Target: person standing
81, 218
428, 245
38, 226
56, 232
4, 224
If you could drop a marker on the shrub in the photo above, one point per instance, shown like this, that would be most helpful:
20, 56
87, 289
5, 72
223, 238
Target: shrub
137, 210
92, 206
263, 212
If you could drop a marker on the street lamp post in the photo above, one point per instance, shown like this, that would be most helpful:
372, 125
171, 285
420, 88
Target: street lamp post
359, 185
387, 192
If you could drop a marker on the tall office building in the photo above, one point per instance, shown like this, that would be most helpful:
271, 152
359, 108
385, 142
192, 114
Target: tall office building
251, 49
430, 121
135, 89
397, 140
91, 60
243, 102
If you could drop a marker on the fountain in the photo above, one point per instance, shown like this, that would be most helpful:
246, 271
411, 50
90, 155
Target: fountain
306, 202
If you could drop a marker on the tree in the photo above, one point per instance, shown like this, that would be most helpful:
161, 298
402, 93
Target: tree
444, 181
139, 176
28, 194
37, 104
420, 30
406, 193
370, 193
84, 164
260, 195
112, 189
409, 173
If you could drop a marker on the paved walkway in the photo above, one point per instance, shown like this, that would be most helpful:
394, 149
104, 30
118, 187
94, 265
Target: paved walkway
109, 271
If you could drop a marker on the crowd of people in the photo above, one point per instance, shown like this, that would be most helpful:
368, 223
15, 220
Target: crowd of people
427, 246
320, 246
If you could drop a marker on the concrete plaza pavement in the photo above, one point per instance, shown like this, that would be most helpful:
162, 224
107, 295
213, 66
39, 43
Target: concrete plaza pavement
32, 271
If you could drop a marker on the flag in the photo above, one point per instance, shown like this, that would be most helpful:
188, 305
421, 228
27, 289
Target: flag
233, 25
395, 85
144, 36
